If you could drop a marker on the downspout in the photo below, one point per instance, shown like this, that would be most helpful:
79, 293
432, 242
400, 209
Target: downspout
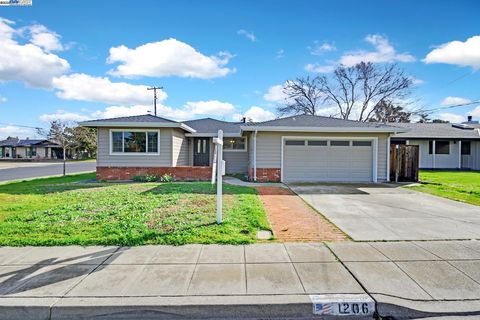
459, 154
433, 152
255, 156
388, 158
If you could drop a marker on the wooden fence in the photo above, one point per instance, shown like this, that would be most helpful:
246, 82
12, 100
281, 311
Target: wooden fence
404, 162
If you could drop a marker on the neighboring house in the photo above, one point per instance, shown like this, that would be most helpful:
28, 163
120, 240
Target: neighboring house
14, 148
443, 145
297, 148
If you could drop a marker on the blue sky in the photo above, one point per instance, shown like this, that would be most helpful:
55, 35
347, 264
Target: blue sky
77, 60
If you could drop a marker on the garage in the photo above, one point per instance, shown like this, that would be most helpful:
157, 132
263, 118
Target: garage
328, 159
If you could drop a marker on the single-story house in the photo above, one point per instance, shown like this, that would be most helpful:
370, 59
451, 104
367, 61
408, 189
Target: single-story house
443, 145
297, 148
15, 148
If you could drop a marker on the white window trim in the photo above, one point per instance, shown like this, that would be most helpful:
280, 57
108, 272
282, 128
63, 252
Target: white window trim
237, 150
374, 150
133, 153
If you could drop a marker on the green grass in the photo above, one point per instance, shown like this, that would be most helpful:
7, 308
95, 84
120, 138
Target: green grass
456, 185
78, 210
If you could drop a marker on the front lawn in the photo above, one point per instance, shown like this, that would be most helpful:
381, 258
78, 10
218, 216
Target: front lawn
78, 210
456, 185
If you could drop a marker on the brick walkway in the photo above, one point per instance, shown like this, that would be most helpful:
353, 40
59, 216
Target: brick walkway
293, 220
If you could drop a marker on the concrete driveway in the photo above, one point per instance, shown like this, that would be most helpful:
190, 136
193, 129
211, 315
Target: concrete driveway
387, 212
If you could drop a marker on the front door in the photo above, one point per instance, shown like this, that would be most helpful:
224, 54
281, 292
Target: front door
201, 152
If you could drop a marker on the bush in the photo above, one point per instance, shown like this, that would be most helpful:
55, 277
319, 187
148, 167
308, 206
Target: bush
146, 178
153, 178
167, 178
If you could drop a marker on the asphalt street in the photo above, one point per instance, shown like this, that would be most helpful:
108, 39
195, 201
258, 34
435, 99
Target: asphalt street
27, 170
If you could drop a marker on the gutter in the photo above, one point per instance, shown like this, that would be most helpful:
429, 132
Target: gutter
322, 129
109, 124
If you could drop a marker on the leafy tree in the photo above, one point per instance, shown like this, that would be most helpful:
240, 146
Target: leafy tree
85, 140
355, 90
386, 111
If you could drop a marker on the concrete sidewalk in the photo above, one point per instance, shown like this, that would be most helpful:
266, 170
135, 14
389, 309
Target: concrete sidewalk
405, 279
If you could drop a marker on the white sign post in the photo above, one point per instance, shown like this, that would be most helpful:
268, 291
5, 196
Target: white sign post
219, 165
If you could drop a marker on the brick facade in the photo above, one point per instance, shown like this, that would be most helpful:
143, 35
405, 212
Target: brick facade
180, 173
265, 174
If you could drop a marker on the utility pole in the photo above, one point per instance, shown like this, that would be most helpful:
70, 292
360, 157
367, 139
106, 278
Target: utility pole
155, 98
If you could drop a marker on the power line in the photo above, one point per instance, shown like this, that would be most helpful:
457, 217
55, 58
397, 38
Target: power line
451, 106
19, 125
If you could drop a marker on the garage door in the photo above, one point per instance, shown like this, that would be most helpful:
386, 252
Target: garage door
327, 160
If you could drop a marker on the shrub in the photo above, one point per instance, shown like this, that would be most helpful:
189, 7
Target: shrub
146, 178
167, 178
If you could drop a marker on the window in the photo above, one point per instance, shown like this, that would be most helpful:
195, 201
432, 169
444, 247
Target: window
362, 143
466, 148
441, 147
339, 143
32, 152
234, 144
134, 141
317, 142
295, 142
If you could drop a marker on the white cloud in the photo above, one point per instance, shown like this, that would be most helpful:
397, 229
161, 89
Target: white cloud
63, 115
275, 94
475, 113
255, 114
318, 48
44, 38
27, 62
3, 99
83, 87
14, 131
465, 54
123, 111
209, 107
190, 110
451, 117
313, 67
448, 101
384, 53
167, 58
248, 34
416, 81
280, 54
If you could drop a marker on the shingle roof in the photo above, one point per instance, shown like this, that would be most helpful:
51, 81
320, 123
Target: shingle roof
438, 130
211, 126
9, 142
317, 121
29, 142
147, 118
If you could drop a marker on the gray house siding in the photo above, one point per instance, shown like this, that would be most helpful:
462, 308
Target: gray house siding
179, 148
269, 148
105, 159
236, 162
447, 161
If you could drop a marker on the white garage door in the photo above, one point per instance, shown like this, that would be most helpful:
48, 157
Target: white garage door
327, 160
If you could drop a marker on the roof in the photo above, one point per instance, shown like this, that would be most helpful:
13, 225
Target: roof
140, 121
438, 130
29, 142
319, 123
10, 142
209, 126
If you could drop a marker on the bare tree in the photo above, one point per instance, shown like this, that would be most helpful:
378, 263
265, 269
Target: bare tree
61, 133
302, 96
355, 90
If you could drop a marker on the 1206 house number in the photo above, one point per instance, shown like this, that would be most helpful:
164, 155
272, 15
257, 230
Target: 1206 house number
343, 305
343, 308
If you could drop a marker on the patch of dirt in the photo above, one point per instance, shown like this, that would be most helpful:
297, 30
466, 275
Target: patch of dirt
293, 220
